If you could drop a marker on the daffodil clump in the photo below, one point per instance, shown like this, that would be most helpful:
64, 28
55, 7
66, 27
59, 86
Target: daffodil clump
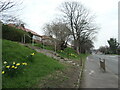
32, 54
12, 68
71, 54
15, 67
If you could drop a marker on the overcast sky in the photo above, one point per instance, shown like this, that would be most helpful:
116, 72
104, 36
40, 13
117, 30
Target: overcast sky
38, 12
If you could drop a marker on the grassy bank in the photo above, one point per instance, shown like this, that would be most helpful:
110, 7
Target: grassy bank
38, 66
48, 47
71, 54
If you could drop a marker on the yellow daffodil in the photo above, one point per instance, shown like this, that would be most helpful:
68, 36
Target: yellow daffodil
72, 54
13, 62
24, 63
5, 62
3, 72
15, 67
12, 66
17, 64
7, 66
33, 54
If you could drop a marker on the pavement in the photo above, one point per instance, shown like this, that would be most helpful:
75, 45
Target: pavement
95, 77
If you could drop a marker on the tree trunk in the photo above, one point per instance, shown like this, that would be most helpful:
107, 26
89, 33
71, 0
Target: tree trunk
76, 46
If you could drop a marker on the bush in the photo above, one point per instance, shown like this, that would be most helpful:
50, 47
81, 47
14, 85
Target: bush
14, 34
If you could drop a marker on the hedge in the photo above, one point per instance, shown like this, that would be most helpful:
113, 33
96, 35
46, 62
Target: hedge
14, 34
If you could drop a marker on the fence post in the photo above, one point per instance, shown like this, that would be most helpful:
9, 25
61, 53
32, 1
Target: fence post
21, 39
55, 46
33, 41
24, 38
80, 61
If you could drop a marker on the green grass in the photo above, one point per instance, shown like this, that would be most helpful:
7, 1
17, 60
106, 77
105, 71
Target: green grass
48, 47
64, 53
12, 51
33, 72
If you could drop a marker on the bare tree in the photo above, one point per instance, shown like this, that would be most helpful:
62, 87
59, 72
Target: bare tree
6, 19
79, 20
60, 31
8, 11
10, 6
6, 5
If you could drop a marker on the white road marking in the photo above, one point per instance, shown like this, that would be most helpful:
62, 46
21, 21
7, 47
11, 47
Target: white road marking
91, 72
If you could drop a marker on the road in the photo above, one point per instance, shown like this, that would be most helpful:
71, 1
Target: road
94, 77
111, 62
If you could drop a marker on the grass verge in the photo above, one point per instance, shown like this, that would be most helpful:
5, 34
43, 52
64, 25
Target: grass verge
41, 66
82, 70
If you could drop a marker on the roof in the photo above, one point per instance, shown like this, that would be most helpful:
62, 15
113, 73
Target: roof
24, 29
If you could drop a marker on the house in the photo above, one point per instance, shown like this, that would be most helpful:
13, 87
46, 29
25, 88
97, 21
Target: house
36, 37
46, 40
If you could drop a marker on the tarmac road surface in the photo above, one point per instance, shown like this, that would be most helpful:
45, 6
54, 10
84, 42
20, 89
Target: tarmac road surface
95, 77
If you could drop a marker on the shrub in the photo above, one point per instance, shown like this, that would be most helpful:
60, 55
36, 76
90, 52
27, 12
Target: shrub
14, 34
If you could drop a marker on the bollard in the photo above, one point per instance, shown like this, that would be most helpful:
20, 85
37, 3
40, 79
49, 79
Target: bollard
102, 64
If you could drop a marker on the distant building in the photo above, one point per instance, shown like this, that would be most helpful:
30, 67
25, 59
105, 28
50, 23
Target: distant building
46, 40
36, 36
